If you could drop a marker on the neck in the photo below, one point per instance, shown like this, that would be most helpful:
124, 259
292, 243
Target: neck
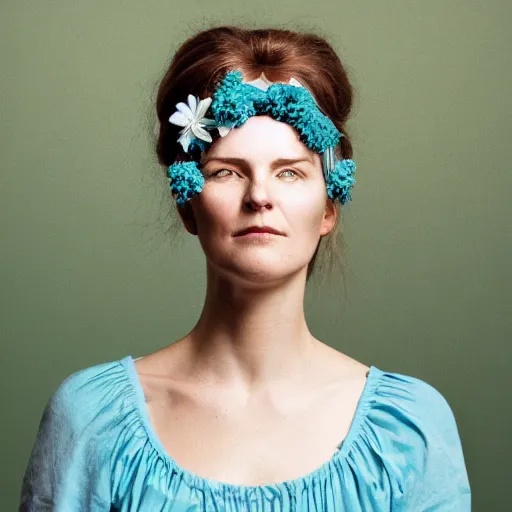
250, 335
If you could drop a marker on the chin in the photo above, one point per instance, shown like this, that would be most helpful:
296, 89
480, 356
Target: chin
261, 271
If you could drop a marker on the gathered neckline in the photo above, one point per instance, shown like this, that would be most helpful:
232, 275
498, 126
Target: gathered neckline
194, 480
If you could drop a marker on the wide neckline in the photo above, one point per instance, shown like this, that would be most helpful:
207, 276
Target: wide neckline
194, 480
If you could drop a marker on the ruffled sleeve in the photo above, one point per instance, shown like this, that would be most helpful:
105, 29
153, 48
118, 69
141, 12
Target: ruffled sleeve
67, 469
420, 442
96, 451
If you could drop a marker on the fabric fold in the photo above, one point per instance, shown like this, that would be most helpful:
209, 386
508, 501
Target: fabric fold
96, 450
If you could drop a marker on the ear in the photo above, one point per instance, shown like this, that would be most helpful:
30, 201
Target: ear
330, 218
188, 218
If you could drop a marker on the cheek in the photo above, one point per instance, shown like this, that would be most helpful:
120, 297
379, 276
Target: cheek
296, 209
215, 212
304, 212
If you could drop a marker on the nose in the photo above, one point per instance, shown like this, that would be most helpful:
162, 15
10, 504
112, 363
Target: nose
257, 196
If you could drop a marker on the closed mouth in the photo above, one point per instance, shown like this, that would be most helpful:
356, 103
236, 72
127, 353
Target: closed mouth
259, 230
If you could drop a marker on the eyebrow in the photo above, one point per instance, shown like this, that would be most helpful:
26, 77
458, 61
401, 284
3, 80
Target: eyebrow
240, 161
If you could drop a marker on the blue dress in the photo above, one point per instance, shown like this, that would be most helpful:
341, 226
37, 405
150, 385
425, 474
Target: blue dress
96, 450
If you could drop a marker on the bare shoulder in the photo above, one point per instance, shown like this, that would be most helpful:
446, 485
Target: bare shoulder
330, 374
337, 367
301, 420
340, 382
159, 371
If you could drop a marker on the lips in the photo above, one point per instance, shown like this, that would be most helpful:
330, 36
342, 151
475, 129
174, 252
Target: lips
259, 229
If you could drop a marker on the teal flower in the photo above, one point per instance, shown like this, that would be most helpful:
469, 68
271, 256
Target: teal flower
340, 180
186, 180
232, 104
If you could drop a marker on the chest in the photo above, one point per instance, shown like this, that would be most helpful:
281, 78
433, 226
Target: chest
265, 439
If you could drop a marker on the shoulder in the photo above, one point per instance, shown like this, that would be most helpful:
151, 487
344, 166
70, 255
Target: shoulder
329, 365
76, 442
413, 423
415, 428
87, 381
81, 395
416, 398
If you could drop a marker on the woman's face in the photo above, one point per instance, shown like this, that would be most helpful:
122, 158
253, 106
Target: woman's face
256, 190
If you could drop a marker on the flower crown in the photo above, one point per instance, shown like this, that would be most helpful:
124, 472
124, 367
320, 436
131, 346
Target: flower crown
232, 104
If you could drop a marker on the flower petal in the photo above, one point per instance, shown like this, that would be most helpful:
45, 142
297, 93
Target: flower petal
207, 122
201, 133
192, 103
295, 82
179, 119
185, 140
223, 130
183, 107
202, 108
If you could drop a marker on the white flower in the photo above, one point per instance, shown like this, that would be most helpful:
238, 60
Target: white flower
223, 130
191, 117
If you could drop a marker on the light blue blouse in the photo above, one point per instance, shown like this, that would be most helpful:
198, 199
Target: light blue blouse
96, 450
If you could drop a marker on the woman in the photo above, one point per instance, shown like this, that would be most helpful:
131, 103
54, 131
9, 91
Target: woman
249, 411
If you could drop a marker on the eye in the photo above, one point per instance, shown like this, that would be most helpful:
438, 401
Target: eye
288, 170
219, 171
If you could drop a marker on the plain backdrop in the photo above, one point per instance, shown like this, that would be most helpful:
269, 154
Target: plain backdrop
89, 273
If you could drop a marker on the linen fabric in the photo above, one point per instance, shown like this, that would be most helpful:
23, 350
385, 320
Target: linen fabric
96, 450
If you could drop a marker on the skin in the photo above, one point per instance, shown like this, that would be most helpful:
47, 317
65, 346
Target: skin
249, 395
252, 329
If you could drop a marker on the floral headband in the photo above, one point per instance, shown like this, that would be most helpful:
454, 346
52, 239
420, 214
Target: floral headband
232, 104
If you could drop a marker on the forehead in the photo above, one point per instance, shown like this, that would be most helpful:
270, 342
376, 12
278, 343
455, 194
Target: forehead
260, 138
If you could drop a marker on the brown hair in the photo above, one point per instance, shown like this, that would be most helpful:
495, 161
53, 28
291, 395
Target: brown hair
204, 58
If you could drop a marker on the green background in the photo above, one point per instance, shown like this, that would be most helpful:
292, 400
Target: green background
89, 274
